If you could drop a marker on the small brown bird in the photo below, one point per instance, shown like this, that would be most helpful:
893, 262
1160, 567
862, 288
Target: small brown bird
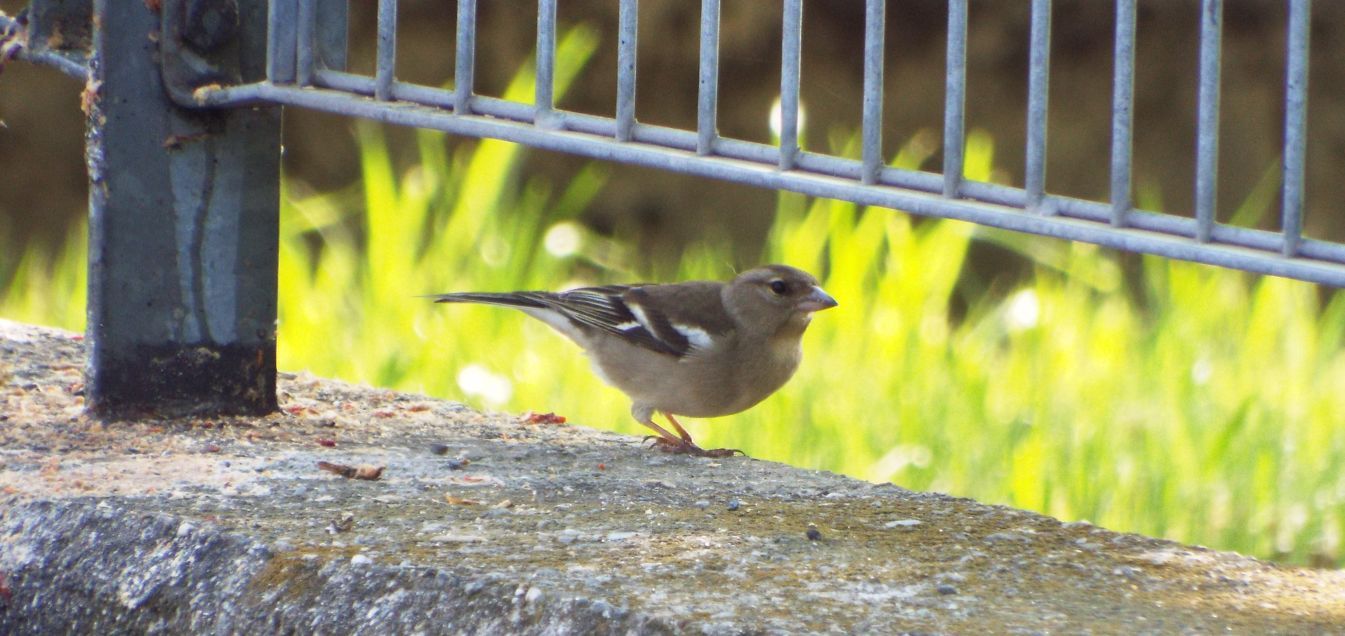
699, 348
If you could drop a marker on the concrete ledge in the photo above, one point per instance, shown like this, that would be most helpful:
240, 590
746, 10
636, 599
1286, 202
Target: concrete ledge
491, 524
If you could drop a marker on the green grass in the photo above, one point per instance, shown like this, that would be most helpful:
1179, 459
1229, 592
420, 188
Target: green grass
1204, 407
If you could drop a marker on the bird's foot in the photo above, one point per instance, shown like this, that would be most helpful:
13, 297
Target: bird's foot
687, 447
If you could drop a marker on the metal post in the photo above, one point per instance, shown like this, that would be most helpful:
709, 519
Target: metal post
545, 91
184, 212
305, 40
1207, 118
1295, 125
1038, 97
1122, 112
790, 51
872, 118
464, 71
707, 127
955, 109
387, 49
629, 19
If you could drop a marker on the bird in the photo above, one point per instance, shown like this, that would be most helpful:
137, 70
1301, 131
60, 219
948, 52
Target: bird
695, 349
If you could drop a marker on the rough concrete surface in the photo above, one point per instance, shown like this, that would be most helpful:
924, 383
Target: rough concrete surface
497, 524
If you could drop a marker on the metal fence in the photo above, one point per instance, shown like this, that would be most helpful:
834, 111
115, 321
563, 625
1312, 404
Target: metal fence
297, 77
213, 65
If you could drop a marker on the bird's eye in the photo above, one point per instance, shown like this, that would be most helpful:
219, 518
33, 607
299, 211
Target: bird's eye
778, 287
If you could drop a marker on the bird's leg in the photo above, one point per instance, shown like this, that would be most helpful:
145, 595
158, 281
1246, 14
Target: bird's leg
670, 444
681, 432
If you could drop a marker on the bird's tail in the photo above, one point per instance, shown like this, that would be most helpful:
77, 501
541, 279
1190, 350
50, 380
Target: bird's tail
514, 299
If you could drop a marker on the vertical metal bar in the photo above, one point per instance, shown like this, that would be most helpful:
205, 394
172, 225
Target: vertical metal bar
874, 19
544, 93
183, 237
387, 49
954, 108
307, 27
791, 46
280, 41
1295, 124
1038, 97
1207, 118
627, 39
706, 127
465, 71
1122, 111
331, 34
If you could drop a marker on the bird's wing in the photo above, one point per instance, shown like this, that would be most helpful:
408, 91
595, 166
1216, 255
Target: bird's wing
677, 320
682, 319
616, 310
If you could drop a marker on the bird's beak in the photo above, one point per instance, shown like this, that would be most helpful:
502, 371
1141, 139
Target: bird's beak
817, 300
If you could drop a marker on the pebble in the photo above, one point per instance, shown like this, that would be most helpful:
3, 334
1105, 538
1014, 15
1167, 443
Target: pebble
439, 449
946, 589
813, 533
1012, 537
902, 523
1127, 571
734, 504
360, 559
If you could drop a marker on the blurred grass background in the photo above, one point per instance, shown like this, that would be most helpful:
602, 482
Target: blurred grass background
1141, 394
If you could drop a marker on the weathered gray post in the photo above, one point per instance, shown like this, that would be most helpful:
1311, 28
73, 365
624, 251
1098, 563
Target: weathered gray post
183, 212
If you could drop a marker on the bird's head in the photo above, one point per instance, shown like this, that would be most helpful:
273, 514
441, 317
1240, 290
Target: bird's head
779, 298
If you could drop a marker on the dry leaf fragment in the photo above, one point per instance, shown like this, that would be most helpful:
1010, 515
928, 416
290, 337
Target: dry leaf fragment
366, 472
533, 417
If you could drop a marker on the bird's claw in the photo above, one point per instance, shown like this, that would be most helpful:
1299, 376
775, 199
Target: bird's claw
689, 448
